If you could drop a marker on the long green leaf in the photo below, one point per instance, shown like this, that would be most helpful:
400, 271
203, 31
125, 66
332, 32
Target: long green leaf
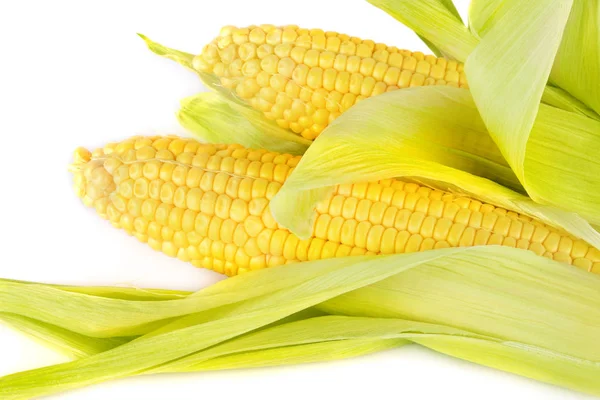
449, 4
337, 277
180, 57
113, 292
434, 21
483, 14
76, 345
546, 312
509, 69
67, 342
307, 331
484, 291
505, 308
529, 361
443, 141
562, 164
98, 316
577, 65
214, 119
299, 354
557, 97
322, 339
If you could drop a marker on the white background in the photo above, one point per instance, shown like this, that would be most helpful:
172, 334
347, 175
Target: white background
74, 73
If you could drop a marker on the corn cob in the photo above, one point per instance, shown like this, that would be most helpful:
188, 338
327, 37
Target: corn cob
209, 204
304, 79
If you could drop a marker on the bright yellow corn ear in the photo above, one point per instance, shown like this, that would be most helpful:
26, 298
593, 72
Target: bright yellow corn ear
300, 80
210, 204
360, 148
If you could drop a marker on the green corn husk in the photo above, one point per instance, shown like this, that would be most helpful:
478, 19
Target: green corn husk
452, 8
434, 21
576, 67
509, 69
67, 342
505, 308
213, 118
74, 344
557, 97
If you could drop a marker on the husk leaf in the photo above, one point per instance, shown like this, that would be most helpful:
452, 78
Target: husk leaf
497, 306
434, 21
509, 69
212, 118
577, 65
335, 277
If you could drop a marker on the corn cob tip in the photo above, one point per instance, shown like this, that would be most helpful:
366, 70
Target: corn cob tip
92, 181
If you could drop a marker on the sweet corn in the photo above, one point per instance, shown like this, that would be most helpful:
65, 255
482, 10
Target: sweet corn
304, 79
209, 205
